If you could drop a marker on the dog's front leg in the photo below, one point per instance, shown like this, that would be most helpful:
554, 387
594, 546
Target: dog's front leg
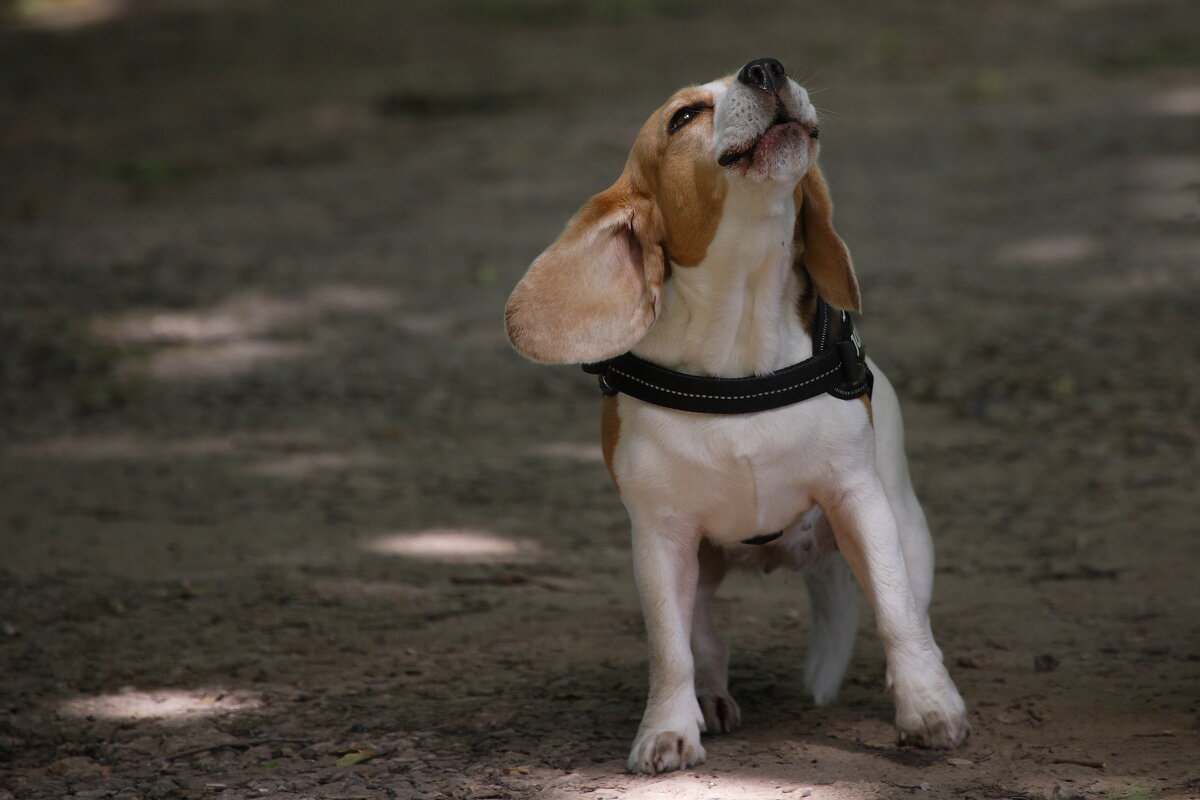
929, 709
666, 567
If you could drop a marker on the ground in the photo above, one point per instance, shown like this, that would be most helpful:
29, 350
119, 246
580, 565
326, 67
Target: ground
282, 515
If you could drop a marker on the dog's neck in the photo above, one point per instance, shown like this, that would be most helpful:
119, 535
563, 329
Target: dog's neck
735, 313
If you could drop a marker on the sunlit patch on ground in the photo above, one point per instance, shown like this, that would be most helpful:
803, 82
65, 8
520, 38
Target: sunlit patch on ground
251, 316
159, 704
240, 334
244, 316
699, 785
304, 465
1047, 250
1183, 101
125, 446
65, 14
221, 361
452, 544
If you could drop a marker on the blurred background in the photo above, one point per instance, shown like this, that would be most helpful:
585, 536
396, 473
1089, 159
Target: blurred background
281, 513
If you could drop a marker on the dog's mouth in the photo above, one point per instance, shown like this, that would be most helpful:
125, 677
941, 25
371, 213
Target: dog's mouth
780, 126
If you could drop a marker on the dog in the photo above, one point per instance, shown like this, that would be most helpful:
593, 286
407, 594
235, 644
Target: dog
707, 271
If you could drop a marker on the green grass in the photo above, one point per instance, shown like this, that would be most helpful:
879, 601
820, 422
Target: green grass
148, 176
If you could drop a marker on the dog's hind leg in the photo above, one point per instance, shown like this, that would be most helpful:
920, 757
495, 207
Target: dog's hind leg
833, 600
721, 712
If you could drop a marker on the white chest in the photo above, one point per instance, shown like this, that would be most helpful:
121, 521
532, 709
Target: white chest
735, 476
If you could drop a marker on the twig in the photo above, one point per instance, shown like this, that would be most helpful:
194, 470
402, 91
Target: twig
241, 743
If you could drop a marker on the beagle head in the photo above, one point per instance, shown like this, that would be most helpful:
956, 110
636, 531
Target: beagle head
597, 289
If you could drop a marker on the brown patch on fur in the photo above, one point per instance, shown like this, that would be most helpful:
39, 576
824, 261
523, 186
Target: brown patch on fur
866, 401
610, 433
818, 246
688, 190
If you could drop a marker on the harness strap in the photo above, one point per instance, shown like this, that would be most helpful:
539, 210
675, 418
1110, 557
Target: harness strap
838, 368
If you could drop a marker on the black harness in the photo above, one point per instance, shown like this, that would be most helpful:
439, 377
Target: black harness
838, 367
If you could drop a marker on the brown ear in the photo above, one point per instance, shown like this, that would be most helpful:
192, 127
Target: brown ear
594, 292
818, 246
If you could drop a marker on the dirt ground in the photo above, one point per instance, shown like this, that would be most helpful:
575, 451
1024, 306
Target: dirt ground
282, 515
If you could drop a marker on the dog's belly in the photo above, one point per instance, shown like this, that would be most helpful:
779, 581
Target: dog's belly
802, 545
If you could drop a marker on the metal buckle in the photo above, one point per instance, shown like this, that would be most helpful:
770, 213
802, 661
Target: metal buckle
853, 368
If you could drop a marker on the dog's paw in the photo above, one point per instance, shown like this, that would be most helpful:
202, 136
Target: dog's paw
655, 752
721, 713
933, 718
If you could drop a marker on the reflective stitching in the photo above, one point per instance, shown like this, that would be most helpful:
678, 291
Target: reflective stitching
725, 397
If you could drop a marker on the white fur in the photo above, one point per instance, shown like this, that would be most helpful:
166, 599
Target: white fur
727, 317
740, 117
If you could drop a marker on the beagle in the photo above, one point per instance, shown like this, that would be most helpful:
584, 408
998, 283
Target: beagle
712, 258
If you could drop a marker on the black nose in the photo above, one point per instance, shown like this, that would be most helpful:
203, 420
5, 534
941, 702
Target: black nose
763, 73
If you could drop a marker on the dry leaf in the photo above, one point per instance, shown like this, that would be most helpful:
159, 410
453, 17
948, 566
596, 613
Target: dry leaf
355, 757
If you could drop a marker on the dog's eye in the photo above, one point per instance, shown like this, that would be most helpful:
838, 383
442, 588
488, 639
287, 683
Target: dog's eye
685, 115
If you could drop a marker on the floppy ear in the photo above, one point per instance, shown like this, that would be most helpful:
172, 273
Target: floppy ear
595, 291
818, 246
